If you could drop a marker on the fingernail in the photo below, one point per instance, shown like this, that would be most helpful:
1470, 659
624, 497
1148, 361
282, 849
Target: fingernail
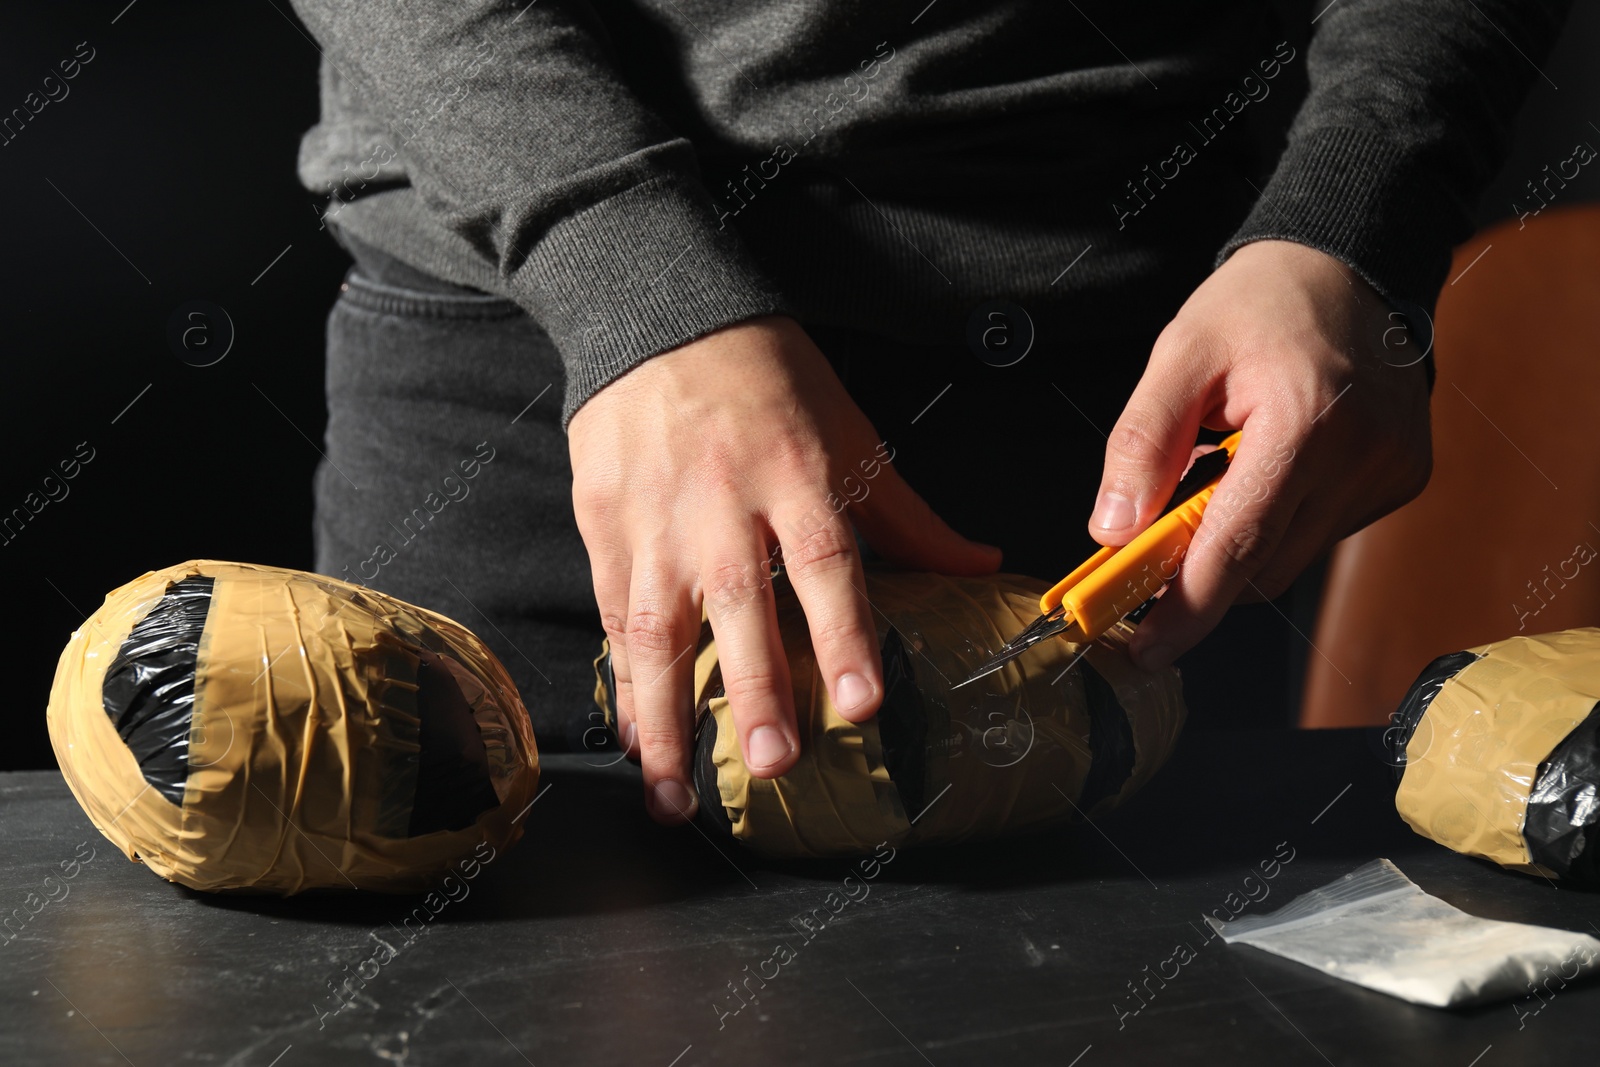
767, 746
671, 799
1156, 657
851, 692
1114, 512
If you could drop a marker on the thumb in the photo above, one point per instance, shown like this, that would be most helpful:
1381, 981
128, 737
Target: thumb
1146, 454
903, 529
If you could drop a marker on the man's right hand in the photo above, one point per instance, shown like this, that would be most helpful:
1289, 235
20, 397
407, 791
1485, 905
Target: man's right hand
687, 472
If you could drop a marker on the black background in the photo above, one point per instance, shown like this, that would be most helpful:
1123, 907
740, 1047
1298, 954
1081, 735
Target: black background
178, 143
166, 176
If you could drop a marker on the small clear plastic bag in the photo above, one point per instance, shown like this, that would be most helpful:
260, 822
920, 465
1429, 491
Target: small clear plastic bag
1377, 928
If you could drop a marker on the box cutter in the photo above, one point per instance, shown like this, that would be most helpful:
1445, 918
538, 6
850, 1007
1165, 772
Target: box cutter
1116, 581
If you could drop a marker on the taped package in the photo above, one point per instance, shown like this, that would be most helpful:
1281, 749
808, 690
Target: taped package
1064, 731
248, 728
1500, 748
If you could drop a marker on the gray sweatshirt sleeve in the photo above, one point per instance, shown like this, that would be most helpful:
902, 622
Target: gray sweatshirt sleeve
1407, 119
522, 140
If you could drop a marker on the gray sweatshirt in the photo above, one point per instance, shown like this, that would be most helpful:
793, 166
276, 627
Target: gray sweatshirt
637, 173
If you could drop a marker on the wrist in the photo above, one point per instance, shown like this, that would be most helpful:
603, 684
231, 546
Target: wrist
1407, 328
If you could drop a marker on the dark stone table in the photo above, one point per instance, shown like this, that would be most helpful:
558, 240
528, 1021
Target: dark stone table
604, 939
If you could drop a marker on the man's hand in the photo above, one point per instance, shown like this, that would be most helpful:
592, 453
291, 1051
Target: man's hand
1287, 344
687, 472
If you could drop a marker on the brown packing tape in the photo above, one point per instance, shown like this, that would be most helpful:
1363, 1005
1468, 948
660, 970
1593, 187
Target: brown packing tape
1475, 754
304, 740
1005, 756
100, 770
835, 797
854, 775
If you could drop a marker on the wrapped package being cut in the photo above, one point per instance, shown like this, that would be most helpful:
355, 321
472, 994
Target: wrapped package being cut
1500, 747
251, 728
1064, 731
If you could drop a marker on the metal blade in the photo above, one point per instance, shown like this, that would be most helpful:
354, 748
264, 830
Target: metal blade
1047, 625
1202, 472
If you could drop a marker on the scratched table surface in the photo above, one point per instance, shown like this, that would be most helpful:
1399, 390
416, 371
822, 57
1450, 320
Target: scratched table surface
601, 938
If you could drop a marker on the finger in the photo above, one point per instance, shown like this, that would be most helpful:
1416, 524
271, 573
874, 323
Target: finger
904, 530
1148, 448
627, 733
1248, 596
1305, 539
662, 625
1241, 530
611, 577
820, 557
1321, 521
755, 673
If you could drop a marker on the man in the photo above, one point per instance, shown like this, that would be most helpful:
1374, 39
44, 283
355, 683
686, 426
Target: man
750, 237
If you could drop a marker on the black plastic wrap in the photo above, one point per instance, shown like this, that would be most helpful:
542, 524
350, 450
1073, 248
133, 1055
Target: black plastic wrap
149, 688
903, 723
453, 783
1111, 748
712, 813
1564, 807
1403, 723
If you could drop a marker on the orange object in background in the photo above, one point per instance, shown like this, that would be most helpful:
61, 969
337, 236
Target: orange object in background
1506, 538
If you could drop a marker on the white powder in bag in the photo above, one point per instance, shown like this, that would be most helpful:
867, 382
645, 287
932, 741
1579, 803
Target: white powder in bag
1377, 928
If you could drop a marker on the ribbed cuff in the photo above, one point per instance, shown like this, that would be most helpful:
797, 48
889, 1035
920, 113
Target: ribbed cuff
638, 274
1366, 201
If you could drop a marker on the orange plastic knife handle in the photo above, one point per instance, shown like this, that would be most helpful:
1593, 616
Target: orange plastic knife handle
1114, 581
1135, 573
